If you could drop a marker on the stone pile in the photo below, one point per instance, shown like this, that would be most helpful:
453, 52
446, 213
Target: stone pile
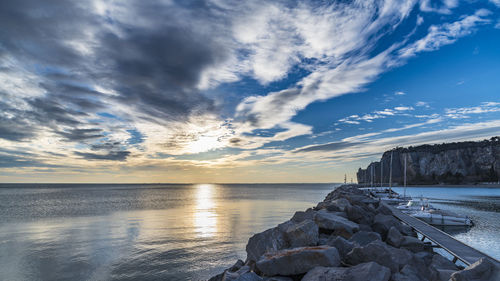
348, 236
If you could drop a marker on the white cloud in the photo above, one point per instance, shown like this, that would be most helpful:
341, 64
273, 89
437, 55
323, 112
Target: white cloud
464, 112
422, 104
400, 93
445, 34
403, 108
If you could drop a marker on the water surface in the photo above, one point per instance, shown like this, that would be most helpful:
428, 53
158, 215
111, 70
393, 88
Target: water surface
138, 232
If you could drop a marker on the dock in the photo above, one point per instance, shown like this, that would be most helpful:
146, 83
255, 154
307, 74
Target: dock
459, 250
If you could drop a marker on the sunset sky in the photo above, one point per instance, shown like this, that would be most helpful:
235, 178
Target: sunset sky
238, 91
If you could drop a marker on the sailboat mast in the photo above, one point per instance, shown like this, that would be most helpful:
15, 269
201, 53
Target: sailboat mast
390, 176
381, 172
405, 177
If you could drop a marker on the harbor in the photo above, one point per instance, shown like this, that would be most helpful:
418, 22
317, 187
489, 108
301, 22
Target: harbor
354, 235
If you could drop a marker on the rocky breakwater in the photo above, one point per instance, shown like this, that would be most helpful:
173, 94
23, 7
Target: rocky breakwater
348, 236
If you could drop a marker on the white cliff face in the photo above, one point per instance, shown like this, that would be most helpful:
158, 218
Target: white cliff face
455, 163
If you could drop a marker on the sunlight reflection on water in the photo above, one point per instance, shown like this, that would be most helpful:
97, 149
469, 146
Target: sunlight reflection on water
205, 216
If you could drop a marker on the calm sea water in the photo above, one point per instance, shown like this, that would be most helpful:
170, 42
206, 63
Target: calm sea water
137, 232
172, 232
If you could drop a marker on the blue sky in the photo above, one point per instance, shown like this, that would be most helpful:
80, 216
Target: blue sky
223, 91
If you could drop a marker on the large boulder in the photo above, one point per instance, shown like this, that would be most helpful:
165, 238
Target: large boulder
249, 276
359, 215
302, 216
272, 239
382, 224
343, 246
366, 271
408, 273
482, 270
342, 204
301, 234
297, 260
286, 235
380, 253
362, 238
336, 224
394, 237
440, 262
278, 278
413, 244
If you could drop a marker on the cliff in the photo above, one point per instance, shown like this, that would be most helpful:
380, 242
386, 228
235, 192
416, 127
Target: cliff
447, 163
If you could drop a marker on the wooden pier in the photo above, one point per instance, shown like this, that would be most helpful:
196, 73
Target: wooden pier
459, 250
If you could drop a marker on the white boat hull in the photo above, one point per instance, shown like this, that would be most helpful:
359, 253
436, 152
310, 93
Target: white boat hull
442, 220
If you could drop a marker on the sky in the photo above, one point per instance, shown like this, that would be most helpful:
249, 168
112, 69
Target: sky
224, 91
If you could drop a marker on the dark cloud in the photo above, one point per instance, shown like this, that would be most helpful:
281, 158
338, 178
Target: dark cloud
332, 146
111, 155
153, 67
81, 134
14, 161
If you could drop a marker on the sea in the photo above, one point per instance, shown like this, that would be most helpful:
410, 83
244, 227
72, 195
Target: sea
174, 231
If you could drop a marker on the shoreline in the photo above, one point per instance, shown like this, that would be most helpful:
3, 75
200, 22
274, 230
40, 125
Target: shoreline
347, 236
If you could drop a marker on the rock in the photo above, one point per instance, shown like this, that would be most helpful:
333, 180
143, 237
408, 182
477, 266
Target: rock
233, 276
339, 225
365, 271
342, 204
382, 224
394, 237
343, 246
278, 278
359, 215
236, 266
302, 216
301, 234
425, 256
363, 238
383, 209
323, 238
413, 244
365, 227
381, 253
444, 274
270, 240
249, 276
329, 206
297, 260
440, 262
407, 230
408, 273
482, 270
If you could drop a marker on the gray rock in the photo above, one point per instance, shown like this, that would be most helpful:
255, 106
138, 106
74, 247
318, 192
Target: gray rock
394, 237
302, 216
444, 274
278, 278
339, 225
301, 234
365, 227
342, 203
359, 215
343, 246
381, 253
425, 256
482, 270
362, 238
233, 276
407, 230
413, 244
382, 224
408, 273
270, 240
440, 262
236, 266
297, 260
383, 209
365, 271
249, 276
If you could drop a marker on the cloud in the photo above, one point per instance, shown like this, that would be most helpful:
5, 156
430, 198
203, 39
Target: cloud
422, 104
333, 146
464, 112
400, 93
446, 34
111, 155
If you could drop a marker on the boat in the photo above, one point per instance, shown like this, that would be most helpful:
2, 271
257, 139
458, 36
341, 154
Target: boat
442, 218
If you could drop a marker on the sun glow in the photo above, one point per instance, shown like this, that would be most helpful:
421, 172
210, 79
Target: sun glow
203, 143
205, 216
